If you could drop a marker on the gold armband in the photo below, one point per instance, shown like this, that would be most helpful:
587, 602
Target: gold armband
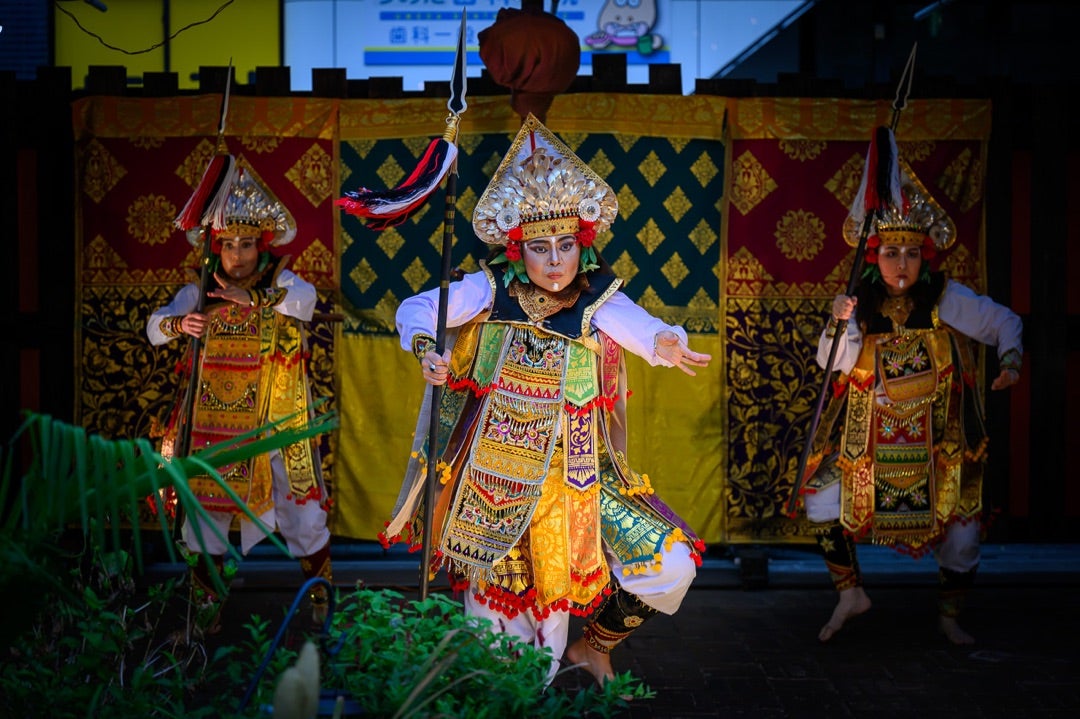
172, 327
830, 329
267, 297
421, 345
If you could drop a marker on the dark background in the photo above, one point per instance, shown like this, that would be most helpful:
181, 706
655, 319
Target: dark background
1020, 55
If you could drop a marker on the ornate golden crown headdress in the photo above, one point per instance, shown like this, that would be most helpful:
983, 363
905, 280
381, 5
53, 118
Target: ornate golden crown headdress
541, 188
250, 209
917, 218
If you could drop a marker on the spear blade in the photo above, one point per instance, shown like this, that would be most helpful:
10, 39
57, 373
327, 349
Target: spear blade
458, 80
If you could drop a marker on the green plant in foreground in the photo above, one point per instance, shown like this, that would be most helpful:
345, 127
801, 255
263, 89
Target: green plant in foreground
111, 654
83, 639
61, 486
78, 639
425, 658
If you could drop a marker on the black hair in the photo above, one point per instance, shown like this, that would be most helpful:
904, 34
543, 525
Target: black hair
870, 294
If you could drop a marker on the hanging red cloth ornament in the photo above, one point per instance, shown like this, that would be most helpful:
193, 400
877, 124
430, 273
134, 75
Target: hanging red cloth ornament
533, 53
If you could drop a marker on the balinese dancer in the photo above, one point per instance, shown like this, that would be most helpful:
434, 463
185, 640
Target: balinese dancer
900, 454
538, 513
251, 371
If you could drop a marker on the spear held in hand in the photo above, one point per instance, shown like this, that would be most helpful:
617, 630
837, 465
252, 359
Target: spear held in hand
389, 208
879, 191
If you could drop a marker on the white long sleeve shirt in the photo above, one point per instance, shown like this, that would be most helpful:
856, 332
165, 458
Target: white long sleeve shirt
299, 302
627, 323
974, 315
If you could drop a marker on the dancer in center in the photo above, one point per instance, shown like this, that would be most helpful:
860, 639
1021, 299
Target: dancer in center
537, 512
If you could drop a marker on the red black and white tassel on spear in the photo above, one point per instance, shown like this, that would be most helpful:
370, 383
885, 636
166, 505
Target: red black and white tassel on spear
387, 208
879, 191
206, 206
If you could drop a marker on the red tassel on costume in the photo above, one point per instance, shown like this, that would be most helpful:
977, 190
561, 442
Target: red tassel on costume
392, 207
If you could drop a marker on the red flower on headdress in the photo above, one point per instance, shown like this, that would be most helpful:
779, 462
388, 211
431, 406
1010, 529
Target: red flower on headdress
215, 241
264, 240
929, 251
514, 233
585, 234
513, 250
872, 243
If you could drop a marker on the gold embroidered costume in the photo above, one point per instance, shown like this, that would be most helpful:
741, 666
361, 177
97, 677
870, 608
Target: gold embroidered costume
908, 465
251, 373
536, 494
535, 480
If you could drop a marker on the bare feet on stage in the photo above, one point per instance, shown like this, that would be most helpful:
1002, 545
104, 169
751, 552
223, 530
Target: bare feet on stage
598, 664
952, 631
853, 602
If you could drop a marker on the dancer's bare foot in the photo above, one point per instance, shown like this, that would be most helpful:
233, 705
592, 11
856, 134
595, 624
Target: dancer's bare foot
952, 631
597, 663
852, 603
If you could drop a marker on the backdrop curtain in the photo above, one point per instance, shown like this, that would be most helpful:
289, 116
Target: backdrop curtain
729, 224
795, 166
137, 162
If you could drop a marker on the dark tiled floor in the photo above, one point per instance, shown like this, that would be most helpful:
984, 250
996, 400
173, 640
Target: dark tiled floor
734, 651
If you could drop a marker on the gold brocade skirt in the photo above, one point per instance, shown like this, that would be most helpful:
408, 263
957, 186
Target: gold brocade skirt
561, 560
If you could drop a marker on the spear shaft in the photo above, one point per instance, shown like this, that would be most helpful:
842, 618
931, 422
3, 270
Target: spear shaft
456, 104
187, 406
903, 91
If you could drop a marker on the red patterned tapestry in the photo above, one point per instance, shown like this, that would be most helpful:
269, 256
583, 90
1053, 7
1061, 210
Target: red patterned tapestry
795, 166
137, 163
771, 180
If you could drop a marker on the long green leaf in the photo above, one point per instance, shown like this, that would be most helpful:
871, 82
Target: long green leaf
148, 463
73, 478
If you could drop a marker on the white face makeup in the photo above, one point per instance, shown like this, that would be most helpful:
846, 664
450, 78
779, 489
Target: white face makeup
239, 256
551, 262
900, 266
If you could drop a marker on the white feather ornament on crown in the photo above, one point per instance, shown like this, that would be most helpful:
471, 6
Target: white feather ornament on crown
248, 208
917, 215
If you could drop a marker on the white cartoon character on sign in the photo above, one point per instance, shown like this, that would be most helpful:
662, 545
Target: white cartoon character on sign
626, 23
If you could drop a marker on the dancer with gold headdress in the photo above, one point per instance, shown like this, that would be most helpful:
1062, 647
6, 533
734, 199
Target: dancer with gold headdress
250, 372
901, 452
538, 508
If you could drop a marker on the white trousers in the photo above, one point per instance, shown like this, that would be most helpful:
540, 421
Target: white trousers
959, 551
302, 526
663, 590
